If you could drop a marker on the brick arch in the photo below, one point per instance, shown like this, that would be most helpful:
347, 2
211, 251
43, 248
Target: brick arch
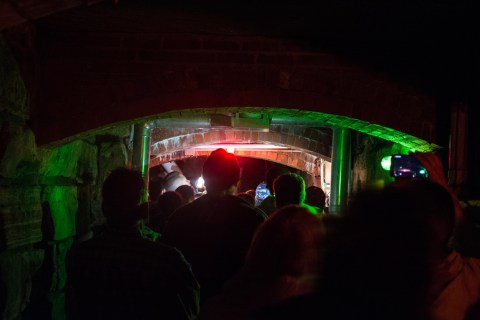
308, 140
307, 133
283, 120
302, 153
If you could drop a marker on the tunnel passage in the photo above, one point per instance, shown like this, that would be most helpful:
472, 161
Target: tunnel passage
86, 72
297, 138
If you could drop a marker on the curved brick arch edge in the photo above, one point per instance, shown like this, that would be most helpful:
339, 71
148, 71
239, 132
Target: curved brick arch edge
303, 117
302, 152
308, 146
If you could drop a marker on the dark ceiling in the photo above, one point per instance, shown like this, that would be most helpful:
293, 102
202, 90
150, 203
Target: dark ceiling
430, 44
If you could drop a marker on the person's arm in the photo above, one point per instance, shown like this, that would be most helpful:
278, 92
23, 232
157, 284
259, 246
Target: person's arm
432, 162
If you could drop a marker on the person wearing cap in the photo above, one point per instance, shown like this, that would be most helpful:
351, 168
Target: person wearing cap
215, 230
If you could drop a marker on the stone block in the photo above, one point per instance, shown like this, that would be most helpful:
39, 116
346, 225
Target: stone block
19, 156
13, 92
47, 299
111, 155
76, 160
16, 272
20, 216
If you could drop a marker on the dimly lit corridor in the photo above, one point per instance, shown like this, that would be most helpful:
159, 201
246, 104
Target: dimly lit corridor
324, 87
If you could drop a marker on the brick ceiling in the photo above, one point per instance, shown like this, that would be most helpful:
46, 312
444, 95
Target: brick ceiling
424, 43
424, 38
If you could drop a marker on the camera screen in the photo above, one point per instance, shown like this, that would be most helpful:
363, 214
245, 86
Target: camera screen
407, 166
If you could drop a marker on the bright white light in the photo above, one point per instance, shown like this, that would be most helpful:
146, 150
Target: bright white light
200, 183
230, 149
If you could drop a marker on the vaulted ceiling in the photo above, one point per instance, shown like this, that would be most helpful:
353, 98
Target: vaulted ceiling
430, 45
433, 38
426, 44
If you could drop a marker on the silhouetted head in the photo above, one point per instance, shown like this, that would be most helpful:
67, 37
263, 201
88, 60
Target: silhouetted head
289, 242
315, 197
187, 192
272, 174
155, 187
384, 248
166, 204
169, 201
221, 172
289, 188
433, 206
122, 194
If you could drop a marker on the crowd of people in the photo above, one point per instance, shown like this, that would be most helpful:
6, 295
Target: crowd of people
389, 255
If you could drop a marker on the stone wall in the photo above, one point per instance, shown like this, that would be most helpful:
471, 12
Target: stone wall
49, 198
42, 217
367, 154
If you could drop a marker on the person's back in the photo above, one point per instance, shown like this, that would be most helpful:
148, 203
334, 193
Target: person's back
283, 261
248, 197
376, 263
187, 192
120, 274
123, 276
215, 231
459, 278
166, 204
455, 287
455, 284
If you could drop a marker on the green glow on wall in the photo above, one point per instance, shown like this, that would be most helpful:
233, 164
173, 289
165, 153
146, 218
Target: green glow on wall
62, 161
61, 173
63, 205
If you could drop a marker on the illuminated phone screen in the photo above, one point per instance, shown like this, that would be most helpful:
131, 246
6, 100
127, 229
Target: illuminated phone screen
407, 166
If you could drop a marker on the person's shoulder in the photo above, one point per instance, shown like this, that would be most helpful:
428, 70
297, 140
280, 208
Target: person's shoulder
313, 209
90, 250
160, 247
268, 205
161, 251
241, 205
187, 209
194, 205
